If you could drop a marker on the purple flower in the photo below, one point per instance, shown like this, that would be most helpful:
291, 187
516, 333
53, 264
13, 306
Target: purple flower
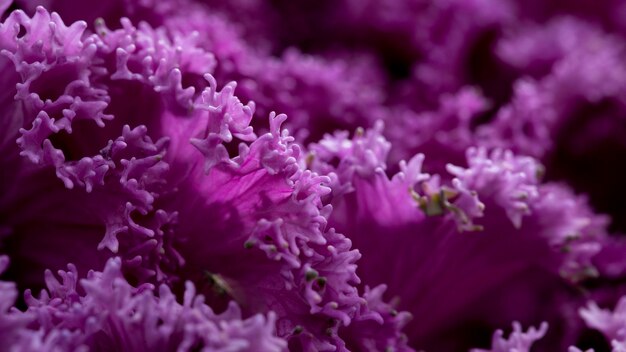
104, 312
139, 166
190, 158
71, 119
570, 117
487, 230
612, 324
340, 90
273, 214
517, 341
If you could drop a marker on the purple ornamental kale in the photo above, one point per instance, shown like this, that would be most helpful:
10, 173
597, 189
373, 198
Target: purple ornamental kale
136, 165
517, 341
612, 324
492, 231
127, 154
71, 118
341, 90
104, 312
571, 117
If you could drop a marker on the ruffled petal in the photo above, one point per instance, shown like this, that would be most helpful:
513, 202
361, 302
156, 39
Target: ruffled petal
260, 204
73, 118
518, 340
107, 313
430, 238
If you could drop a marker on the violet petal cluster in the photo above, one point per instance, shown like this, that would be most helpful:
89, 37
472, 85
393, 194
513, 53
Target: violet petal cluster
256, 175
